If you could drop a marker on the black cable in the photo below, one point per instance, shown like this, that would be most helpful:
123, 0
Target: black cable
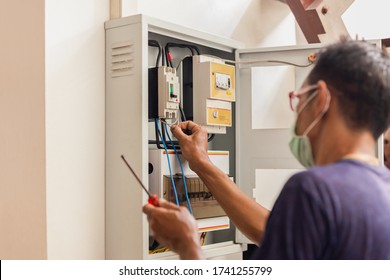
211, 137
169, 146
166, 56
157, 142
169, 62
196, 49
183, 46
163, 56
193, 49
154, 43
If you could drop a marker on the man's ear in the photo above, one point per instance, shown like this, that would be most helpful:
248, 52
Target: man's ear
323, 96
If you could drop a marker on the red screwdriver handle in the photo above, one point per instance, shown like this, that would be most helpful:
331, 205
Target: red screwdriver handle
153, 200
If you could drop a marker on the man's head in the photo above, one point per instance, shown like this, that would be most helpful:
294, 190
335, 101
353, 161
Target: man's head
344, 102
358, 76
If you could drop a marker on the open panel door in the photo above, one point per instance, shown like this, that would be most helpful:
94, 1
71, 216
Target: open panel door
264, 119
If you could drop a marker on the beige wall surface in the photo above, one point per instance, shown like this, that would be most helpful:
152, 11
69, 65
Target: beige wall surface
22, 130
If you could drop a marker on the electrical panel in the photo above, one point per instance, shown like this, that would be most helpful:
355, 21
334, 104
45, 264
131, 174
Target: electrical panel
213, 87
157, 88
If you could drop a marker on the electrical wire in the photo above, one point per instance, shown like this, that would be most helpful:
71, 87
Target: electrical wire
211, 137
163, 56
183, 116
169, 145
181, 61
182, 172
193, 49
158, 142
166, 57
273, 61
154, 43
203, 238
281, 62
163, 120
169, 165
262, 61
158, 251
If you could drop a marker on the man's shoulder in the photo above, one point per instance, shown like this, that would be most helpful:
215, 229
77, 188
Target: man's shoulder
346, 173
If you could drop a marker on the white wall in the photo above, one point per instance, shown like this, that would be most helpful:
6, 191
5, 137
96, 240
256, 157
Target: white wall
364, 19
257, 23
368, 19
75, 96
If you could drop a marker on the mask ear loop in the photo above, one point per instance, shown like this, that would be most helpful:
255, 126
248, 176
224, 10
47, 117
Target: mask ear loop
320, 115
307, 102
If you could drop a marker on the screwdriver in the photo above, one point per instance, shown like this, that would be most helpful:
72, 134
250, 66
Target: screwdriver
153, 199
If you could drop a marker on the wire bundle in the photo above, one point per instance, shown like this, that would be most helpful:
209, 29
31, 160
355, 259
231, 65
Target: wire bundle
169, 165
182, 172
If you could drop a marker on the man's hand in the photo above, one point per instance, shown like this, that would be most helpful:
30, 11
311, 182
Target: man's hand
193, 143
174, 227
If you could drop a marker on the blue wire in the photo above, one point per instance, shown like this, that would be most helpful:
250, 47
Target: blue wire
182, 171
169, 163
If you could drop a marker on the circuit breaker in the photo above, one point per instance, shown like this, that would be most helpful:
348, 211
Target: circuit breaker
209, 100
213, 79
168, 93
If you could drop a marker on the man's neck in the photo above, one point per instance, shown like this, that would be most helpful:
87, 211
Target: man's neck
342, 142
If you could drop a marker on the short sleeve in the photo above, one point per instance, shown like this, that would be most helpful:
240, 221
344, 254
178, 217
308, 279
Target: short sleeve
297, 226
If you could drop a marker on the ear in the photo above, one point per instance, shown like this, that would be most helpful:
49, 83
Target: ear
324, 97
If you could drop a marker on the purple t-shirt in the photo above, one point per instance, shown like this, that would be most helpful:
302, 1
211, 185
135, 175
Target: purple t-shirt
339, 211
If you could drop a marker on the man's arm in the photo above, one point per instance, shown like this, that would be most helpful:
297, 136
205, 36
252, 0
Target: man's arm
245, 213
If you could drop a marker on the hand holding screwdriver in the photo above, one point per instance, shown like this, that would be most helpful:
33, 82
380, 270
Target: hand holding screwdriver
153, 199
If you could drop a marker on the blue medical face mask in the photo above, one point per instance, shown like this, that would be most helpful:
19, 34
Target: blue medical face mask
300, 145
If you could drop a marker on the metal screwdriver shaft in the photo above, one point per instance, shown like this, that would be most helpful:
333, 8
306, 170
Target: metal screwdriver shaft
135, 175
152, 198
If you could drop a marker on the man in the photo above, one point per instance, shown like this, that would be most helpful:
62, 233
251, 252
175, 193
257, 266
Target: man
386, 144
339, 209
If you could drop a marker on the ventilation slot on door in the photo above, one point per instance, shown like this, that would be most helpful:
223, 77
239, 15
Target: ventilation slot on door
122, 59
